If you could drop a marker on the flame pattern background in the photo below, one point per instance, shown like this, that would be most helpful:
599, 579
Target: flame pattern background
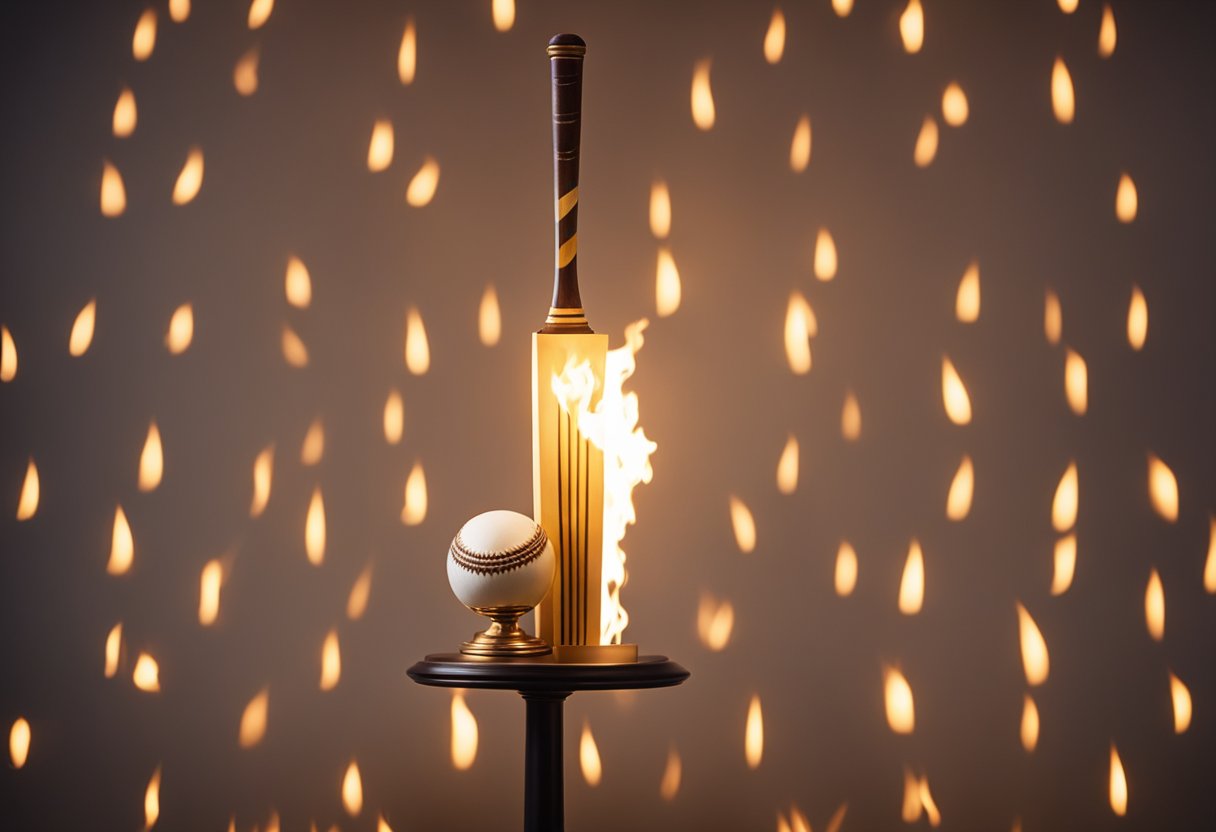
252, 134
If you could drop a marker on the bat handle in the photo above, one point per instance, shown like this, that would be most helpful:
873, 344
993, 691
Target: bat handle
566, 66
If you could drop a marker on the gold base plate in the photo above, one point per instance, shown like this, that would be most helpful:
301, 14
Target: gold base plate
596, 653
504, 637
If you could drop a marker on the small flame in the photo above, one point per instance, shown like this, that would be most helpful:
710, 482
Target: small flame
800, 145
1118, 784
1068, 6
846, 569
259, 13
125, 114
926, 143
464, 733
210, 581
666, 284
1030, 724
146, 674
660, 210
1154, 606
1053, 318
181, 329
787, 467
929, 804
294, 351
912, 584
912, 27
753, 735
407, 54
800, 325
1209, 567
715, 620
113, 650
151, 460
352, 790
263, 470
414, 510
842, 7
1063, 102
152, 800
144, 39
1034, 649
422, 187
113, 194
179, 10
331, 661
245, 73
382, 825
360, 591
702, 96
8, 355
27, 504
1162, 489
954, 105
253, 719
489, 317
297, 284
313, 446
190, 180
850, 418
1107, 34
19, 742
774, 38
743, 524
837, 818
417, 350
825, 255
954, 394
1076, 382
798, 821
912, 808
380, 148
1181, 698
1137, 319
967, 299
1064, 504
669, 786
1065, 564
394, 418
589, 757
82, 330
314, 529
958, 500
503, 12
122, 545
901, 711
1126, 201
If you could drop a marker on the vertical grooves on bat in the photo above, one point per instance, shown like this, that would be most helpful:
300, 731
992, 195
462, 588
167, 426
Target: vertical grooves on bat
561, 527
575, 525
588, 626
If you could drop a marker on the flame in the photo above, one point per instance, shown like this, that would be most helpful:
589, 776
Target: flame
1053, 318
715, 620
179, 10
589, 757
422, 187
380, 148
1065, 564
798, 821
850, 418
800, 145
954, 394
82, 330
954, 105
927, 801
1162, 488
151, 460
842, 7
352, 790
1154, 606
753, 734
8, 355
27, 504
259, 12
702, 96
1137, 319
1107, 34
360, 591
263, 469
417, 350
297, 284
294, 351
1068, 6
313, 447
1063, 102
743, 524
464, 733
787, 467
1118, 784
660, 210
489, 318
912, 584
669, 786
210, 581
1030, 724
967, 300
253, 719
1076, 382
144, 39
314, 529
19, 742
414, 510
181, 329
666, 284
122, 546
190, 180
1064, 504
912, 27
912, 807
926, 143
152, 800
503, 12
958, 500
800, 325
825, 255
407, 54
113, 194
897, 693
394, 418
382, 825
774, 38
1209, 568
1034, 649
837, 818
1181, 698
331, 661
146, 674
245, 73
1126, 201
846, 569
113, 650
125, 114
272, 822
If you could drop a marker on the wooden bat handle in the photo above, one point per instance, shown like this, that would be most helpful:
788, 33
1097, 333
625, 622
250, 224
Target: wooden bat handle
566, 66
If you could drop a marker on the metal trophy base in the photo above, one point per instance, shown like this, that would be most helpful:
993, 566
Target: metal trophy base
544, 683
596, 653
504, 637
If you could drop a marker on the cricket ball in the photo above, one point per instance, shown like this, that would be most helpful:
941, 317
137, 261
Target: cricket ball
501, 560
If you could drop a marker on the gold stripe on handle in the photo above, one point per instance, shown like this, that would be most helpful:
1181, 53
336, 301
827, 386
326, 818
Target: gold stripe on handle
567, 202
566, 253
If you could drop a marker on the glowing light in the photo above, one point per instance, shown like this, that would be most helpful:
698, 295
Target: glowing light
774, 38
912, 584
1181, 699
825, 255
331, 661
313, 446
1030, 724
407, 54
1137, 319
210, 581
842, 7
1053, 318
144, 39
352, 790
122, 545
259, 13
179, 10
8, 355
958, 500
715, 620
113, 650
382, 825
912, 27
846, 569
253, 719
837, 818
360, 592
967, 300
850, 418
930, 806
394, 418
743, 524
503, 12
660, 210
19, 742
190, 180
1068, 6
181, 330
417, 349
27, 503
926, 143
125, 114
146, 674
294, 351
1162, 489
918, 800
669, 786
753, 734
422, 187
954, 105
314, 529
1209, 568
489, 318
380, 148
1076, 382
464, 733
954, 394
414, 510
1154, 606
1126, 201
897, 693
1118, 784
151, 460
787, 467
1107, 34
113, 194
798, 820
1065, 564
666, 284
800, 145
245, 73
263, 470
82, 330
799, 323
1063, 101
702, 96
152, 800
1064, 503
297, 284
589, 757
1035, 661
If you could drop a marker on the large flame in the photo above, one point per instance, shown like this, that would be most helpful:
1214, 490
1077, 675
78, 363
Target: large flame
912, 27
774, 38
503, 13
179, 10
464, 733
589, 757
259, 13
753, 734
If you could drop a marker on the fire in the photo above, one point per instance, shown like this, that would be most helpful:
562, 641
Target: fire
259, 13
850, 418
825, 255
144, 39
715, 620
589, 757
113, 650
245, 73
503, 12
842, 7
331, 661
927, 801
464, 733
743, 524
702, 96
1053, 318
669, 786
800, 145
1064, 504
27, 503
382, 825
394, 418
489, 318
1068, 6
19, 742
1065, 564
82, 330
352, 790
1137, 319
422, 187
967, 300
1126, 201
360, 591
314, 529
253, 719
797, 822
181, 329
8, 355
294, 351
912, 584
146, 674
1076, 382
774, 38
837, 818
846, 569
1118, 784
414, 510
1063, 102
912, 27
313, 446
179, 10
113, 194
660, 210
954, 394
958, 500
417, 349
125, 114
263, 470
1181, 699
297, 284
1209, 567
954, 105
897, 693
787, 467
152, 800
1034, 649
210, 581
151, 460
190, 180
753, 734
918, 800
800, 325
1030, 724
122, 545
666, 284
1162, 489
1107, 34
1154, 606
407, 54
380, 148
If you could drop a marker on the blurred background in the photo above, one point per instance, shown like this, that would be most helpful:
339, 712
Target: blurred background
931, 520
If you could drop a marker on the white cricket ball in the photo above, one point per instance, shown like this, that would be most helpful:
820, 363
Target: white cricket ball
501, 559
